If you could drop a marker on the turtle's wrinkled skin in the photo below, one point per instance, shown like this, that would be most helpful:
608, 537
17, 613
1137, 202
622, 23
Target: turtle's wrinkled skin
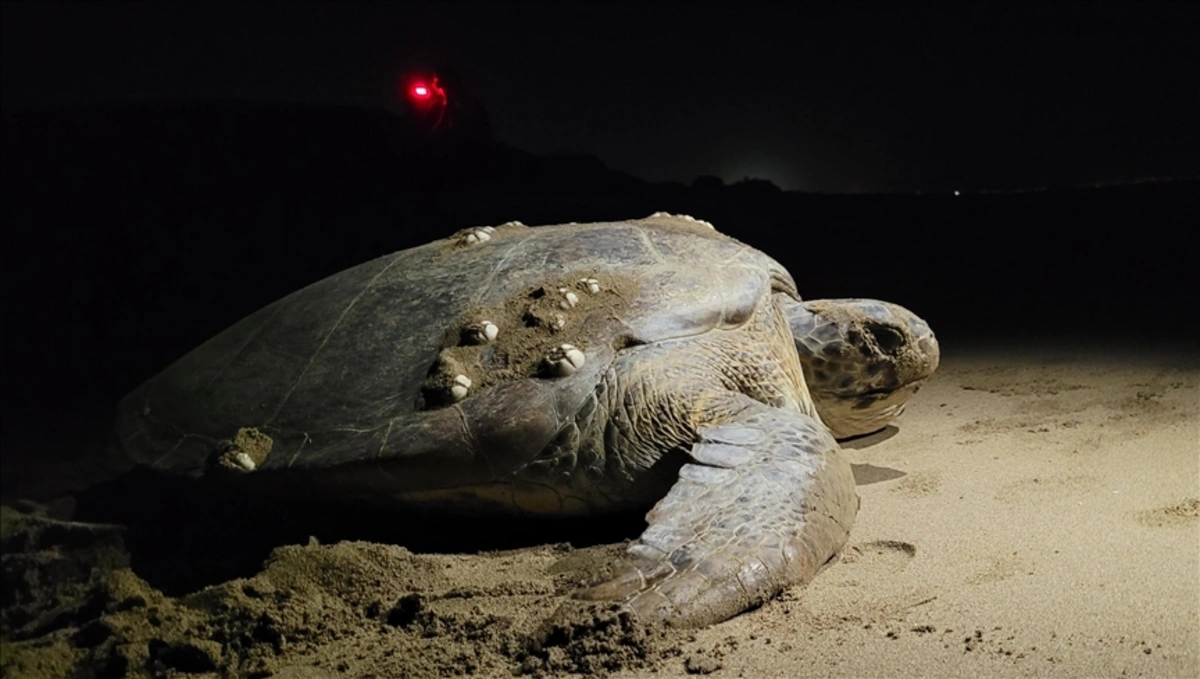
558, 370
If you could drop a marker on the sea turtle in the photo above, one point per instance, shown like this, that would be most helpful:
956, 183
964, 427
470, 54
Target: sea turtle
560, 370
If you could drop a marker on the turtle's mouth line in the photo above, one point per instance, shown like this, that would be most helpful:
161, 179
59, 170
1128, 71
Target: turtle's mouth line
879, 393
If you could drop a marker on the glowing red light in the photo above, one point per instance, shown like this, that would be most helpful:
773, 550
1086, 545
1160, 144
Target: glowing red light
420, 91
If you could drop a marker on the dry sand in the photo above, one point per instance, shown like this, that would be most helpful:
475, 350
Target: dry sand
1035, 514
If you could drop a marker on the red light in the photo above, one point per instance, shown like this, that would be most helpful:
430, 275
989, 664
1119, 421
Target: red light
427, 99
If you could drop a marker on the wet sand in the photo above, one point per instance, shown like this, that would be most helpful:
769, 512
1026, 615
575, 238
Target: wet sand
1036, 513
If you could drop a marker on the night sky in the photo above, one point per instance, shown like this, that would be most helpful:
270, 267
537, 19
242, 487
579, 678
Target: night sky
845, 97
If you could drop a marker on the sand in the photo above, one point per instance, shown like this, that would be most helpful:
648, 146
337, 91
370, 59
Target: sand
1035, 513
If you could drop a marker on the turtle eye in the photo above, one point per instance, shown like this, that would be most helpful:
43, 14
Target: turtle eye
889, 339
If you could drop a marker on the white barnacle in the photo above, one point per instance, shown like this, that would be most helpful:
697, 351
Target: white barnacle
682, 218
244, 462
701, 222
564, 361
475, 235
589, 284
559, 322
569, 299
482, 332
460, 387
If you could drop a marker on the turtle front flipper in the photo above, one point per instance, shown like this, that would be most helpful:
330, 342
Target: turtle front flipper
863, 359
765, 503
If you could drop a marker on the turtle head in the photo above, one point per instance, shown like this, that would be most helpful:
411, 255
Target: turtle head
863, 359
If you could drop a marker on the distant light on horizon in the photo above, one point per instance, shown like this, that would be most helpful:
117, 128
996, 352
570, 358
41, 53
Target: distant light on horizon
779, 172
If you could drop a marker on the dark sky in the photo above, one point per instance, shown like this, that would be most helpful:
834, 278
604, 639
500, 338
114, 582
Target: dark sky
831, 97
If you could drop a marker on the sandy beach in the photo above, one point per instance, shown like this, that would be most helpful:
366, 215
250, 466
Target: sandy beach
1036, 513
1046, 524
